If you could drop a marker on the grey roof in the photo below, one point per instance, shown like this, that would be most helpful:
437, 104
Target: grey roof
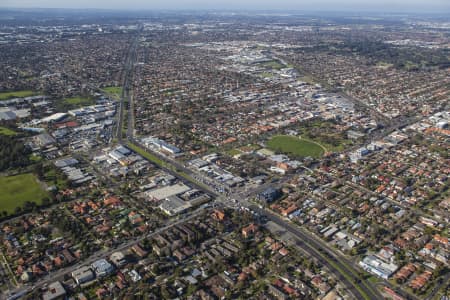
168, 191
65, 162
55, 291
102, 266
7, 115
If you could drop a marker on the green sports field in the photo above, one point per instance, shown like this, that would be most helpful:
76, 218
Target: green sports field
7, 131
78, 101
296, 146
18, 189
74, 102
113, 90
16, 94
273, 65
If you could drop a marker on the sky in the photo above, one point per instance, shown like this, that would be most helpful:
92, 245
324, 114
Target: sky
441, 6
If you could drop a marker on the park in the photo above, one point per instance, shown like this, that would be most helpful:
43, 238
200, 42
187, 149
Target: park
296, 146
16, 190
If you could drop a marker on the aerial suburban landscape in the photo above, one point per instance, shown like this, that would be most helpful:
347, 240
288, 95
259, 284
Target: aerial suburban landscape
218, 154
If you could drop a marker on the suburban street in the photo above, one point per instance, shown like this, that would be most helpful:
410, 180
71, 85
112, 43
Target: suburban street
224, 154
104, 253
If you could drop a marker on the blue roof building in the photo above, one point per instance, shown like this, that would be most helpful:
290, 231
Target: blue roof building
269, 195
102, 267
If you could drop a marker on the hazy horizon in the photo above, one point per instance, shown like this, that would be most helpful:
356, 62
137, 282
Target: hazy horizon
441, 6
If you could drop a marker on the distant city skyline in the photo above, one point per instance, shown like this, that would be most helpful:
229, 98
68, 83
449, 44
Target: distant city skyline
441, 6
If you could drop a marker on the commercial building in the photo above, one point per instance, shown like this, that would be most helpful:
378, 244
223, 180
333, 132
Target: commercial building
174, 205
7, 114
44, 140
160, 145
102, 267
378, 267
83, 275
168, 191
118, 258
269, 195
66, 162
54, 118
55, 291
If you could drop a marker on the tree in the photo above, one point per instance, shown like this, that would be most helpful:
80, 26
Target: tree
191, 289
165, 293
13, 153
46, 201
39, 170
156, 269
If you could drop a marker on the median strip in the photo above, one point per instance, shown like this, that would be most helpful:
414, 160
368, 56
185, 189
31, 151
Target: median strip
161, 163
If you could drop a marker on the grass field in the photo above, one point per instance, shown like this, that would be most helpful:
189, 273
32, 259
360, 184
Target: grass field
7, 131
273, 65
293, 145
35, 158
113, 90
78, 101
252, 147
267, 75
384, 65
74, 102
16, 94
234, 152
16, 190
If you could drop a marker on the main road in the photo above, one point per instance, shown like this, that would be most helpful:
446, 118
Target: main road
59, 274
126, 95
338, 264
335, 263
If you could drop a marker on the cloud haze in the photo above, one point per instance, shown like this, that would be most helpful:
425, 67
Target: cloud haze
442, 6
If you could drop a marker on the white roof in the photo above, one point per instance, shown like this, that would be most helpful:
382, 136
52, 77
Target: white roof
168, 191
54, 117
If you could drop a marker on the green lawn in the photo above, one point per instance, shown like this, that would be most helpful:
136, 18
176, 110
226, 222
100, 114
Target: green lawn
267, 75
307, 79
384, 65
74, 102
51, 177
234, 152
35, 158
409, 65
79, 101
113, 90
7, 131
253, 147
273, 65
16, 190
16, 94
293, 145
146, 154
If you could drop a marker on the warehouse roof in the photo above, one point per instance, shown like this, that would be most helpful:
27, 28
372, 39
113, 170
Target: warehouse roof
168, 191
